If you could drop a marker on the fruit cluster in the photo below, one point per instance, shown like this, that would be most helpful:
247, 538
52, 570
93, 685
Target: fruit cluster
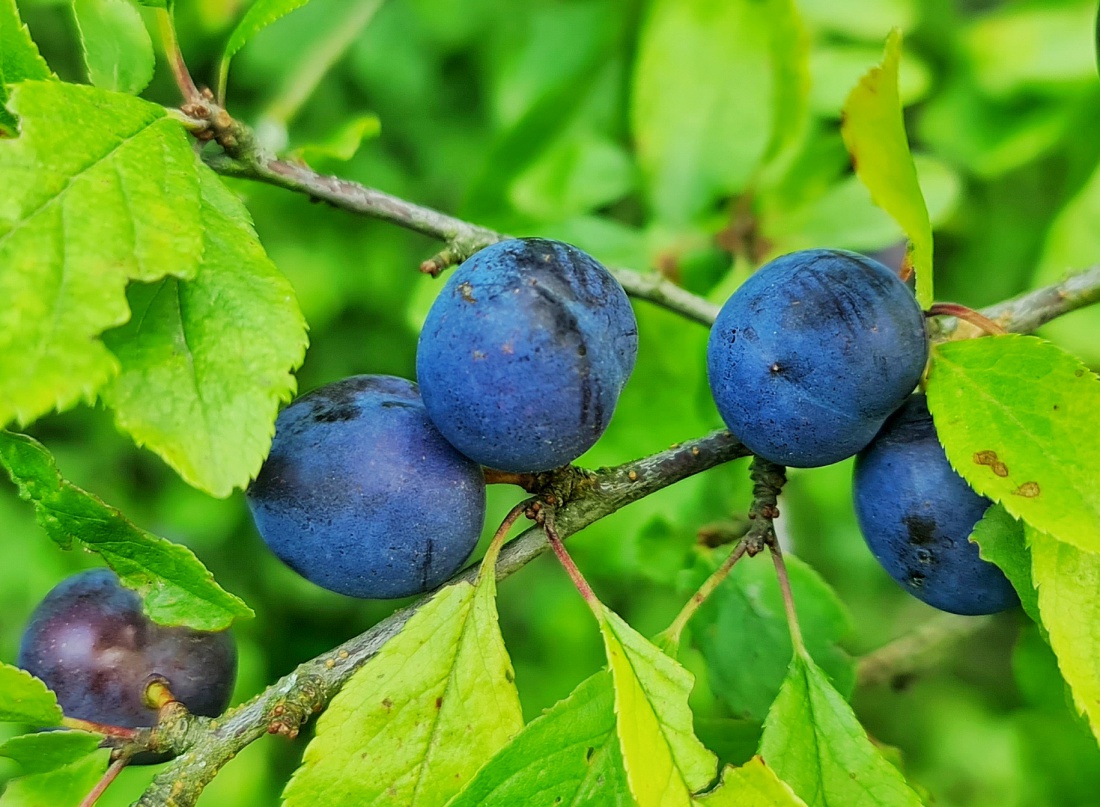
375, 487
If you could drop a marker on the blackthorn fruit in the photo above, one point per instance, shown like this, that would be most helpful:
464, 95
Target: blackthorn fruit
92, 644
812, 353
362, 495
524, 354
917, 514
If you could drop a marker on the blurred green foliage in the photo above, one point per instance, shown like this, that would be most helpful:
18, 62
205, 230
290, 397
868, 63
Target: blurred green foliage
536, 118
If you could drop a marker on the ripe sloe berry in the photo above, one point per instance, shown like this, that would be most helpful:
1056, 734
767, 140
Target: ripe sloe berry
917, 514
362, 495
524, 354
812, 353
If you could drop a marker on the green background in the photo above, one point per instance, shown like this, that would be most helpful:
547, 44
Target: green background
519, 116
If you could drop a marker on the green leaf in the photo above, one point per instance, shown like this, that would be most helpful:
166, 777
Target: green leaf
47, 751
815, 743
415, 724
665, 762
259, 15
62, 787
25, 699
118, 51
702, 101
176, 587
100, 188
754, 784
1068, 580
344, 143
19, 60
568, 755
743, 635
1009, 411
874, 132
1000, 540
206, 362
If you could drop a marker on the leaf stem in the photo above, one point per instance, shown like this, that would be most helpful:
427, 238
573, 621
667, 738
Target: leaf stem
567, 561
670, 636
490, 559
176, 61
788, 598
112, 773
105, 729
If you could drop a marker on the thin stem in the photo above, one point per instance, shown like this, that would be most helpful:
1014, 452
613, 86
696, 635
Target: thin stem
567, 561
497, 541
788, 598
671, 635
105, 729
176, 61
112, 773
975, 318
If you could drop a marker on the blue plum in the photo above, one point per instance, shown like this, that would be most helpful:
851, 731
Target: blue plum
808, 358
917, 514
92, 644
524, 354
362, 495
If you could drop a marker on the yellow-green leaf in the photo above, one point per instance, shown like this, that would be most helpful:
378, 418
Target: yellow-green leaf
1011, 414
19, 60
754, 784
205, 362
415, 724
665, 762
99, 189
25, 699
1068, 580
874, 132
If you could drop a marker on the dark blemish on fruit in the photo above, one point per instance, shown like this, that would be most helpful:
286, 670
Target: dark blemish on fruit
467, 292
1029, 490
921, 530
916, 579
478, 355
775, 368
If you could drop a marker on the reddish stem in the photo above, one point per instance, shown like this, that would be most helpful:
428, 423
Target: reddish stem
570, 567
176, 61
100, 728
111, 774
975, 318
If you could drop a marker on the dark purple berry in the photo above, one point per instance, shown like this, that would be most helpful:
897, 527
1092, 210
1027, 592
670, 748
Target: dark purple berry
92, 644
